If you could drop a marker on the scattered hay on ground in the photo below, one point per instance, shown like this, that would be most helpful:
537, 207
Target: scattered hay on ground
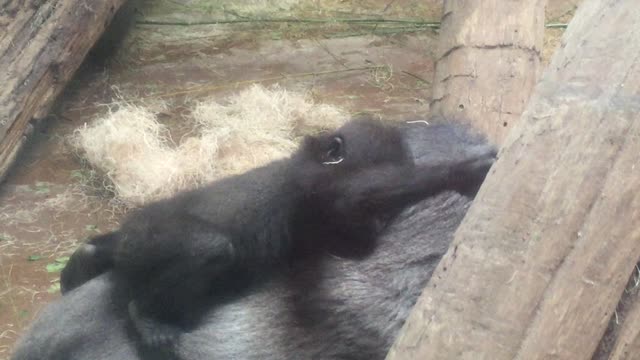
248, 129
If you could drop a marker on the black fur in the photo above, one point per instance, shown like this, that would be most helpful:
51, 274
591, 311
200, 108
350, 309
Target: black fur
334, 194
335, 308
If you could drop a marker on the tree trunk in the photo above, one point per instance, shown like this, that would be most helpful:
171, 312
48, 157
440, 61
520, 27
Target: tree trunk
539, 263
488, 62
42, 43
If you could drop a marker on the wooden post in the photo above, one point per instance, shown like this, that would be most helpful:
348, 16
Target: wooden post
42, 44
537, 267
488, 62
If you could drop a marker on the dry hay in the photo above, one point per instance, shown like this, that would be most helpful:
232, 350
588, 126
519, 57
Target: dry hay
248, 129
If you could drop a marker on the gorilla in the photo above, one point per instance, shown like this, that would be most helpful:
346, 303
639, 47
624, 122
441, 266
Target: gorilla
333, 195
320, 307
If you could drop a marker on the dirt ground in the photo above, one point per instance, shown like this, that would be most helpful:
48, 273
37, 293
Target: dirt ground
49, 203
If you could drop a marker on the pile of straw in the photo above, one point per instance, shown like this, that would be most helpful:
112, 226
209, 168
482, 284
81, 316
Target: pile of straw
142, 162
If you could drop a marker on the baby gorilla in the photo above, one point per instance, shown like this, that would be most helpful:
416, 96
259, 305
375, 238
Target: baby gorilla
333, 195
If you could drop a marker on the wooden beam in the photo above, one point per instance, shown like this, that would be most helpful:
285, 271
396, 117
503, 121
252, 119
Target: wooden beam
42, 44
537, 267
488, 62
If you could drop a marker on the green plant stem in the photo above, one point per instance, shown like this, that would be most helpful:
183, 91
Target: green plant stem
290, 20
418, 23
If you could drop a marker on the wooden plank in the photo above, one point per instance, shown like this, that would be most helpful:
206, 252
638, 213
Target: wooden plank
42, 44
488, 62
539, 263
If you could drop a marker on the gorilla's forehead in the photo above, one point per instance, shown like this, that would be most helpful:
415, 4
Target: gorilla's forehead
435, 142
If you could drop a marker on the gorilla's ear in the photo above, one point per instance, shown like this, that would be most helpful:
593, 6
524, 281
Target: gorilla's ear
334, 153
324, 148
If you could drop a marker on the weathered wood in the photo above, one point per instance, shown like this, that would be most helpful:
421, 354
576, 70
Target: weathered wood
42, 43
627, 341
538, 265
623, 331
488, 62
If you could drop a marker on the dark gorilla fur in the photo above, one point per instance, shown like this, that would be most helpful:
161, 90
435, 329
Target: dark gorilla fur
332, 308
332, 195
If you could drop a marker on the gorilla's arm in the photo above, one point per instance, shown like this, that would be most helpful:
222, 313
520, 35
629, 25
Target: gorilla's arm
391, 187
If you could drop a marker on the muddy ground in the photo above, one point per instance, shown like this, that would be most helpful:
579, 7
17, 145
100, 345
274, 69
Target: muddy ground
51, 200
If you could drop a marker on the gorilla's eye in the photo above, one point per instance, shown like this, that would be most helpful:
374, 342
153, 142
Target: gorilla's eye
334, 154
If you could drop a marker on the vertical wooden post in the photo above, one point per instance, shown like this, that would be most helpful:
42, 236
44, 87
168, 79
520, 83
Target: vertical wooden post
488, 62
537, 267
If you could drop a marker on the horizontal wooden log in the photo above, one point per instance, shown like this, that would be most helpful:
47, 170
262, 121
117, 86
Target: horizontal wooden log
42, 44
